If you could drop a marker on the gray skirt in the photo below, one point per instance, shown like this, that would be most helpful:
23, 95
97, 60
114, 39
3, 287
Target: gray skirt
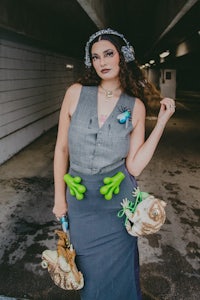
106, 254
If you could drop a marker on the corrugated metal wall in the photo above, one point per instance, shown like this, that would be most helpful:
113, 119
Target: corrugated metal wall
32, 85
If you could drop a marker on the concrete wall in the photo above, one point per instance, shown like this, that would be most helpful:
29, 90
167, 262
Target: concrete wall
33, 82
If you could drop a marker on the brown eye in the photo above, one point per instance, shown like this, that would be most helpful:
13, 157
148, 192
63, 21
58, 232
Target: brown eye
94, 57
109, 53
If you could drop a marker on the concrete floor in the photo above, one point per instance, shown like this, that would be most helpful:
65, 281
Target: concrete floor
169, 260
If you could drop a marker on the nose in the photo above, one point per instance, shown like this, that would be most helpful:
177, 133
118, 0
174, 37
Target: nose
102, 61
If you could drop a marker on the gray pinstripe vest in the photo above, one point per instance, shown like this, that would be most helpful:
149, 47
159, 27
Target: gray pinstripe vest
93, 149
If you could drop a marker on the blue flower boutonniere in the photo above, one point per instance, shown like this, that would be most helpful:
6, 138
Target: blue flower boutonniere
125, 115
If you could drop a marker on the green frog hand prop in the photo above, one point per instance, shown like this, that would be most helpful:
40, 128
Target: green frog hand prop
75, 187
112, 185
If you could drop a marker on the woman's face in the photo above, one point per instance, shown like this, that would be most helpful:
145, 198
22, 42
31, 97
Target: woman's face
105, 59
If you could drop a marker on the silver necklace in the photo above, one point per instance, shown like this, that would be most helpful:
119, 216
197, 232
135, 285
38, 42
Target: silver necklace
109, 93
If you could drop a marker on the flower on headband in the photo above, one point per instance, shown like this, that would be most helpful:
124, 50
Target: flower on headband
128, 53
127, 50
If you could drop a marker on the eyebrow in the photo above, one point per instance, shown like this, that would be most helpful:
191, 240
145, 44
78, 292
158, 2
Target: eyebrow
108, 50
105, 51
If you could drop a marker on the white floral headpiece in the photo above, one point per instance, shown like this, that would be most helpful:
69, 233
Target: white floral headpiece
127, 50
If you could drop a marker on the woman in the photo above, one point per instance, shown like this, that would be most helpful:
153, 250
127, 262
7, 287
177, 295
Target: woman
101, 135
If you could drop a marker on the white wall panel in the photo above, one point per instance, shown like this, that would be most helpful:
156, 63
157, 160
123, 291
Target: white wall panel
21, 138
14, 95
33, 82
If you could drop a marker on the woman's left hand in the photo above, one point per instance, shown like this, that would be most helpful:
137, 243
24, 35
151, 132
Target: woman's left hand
167, 109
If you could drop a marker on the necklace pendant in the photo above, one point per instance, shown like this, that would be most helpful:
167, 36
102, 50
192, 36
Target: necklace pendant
109, 94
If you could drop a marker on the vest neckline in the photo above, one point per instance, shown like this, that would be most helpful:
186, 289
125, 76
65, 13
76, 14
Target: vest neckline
111, 113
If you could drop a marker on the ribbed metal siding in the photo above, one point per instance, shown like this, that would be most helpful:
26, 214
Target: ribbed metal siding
32, 85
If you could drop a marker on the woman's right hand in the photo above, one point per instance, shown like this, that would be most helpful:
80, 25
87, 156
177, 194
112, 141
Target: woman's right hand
60, 209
